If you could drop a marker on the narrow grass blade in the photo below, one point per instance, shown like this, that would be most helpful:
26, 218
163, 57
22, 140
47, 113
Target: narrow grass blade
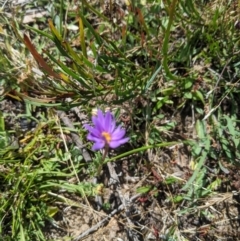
152, 78
82, 38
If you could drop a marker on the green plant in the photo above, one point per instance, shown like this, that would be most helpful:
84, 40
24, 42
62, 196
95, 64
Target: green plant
168, 70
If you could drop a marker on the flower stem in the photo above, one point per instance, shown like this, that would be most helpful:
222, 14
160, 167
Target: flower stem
105, 152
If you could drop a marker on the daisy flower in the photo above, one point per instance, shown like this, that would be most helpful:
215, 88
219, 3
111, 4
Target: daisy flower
105, 133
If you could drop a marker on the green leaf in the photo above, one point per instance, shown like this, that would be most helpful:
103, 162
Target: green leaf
197, 95
82, 38
171, 180
215, 184
2, 123
224, 169
177, 199
52, 211
188, 83
168, 91
78, 76
188, 95
232, 130
196, 149
54, 31
144, 189
152, 78
200, 129
22, 235
201, 161
40, 32
89, 26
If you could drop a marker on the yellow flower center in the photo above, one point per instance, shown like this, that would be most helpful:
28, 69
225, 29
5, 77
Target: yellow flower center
107, 136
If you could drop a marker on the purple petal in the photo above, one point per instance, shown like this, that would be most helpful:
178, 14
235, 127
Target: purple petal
99, 117
118, 134
91, 137
105, 123
93, 131
108, 122
117, 143
98, 145
87, 127
98, 122
113, 125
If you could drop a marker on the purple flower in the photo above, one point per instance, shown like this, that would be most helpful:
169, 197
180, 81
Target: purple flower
105, 132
